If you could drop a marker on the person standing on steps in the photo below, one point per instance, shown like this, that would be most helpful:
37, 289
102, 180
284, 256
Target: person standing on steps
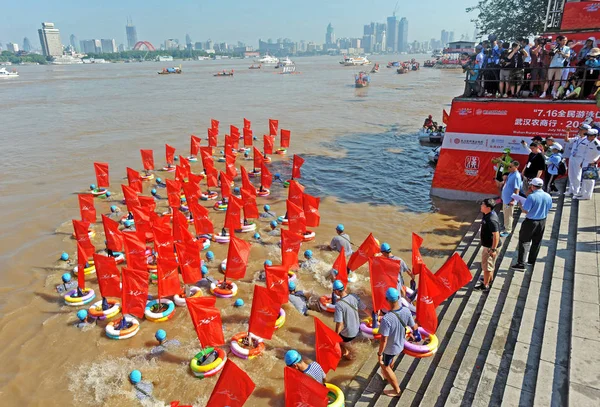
536, 163
490, 239
341, 240
577, 146
386, 251
536, 207
393, 333
346, 315
513, 185
590, 156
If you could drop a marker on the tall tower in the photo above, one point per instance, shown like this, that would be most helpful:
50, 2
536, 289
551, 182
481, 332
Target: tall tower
131, 34
330, 36
403, 35
50, 40
74, 42
392, 34
26, 45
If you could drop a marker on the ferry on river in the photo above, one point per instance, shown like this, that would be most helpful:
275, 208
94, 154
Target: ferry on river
4, 73
354, 61
224, 73
267, 59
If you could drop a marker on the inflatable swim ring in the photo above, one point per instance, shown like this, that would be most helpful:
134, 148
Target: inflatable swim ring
209, 195
222, 239
99, 191
429, 344
125, 333
192, 159
292, 276
250, 227
263, 193
208, 369
255, 173
96, 309
220, 206
325, 303
335, 396
91, 269
88, 296
230, 290
169, 169
308, 236
366, 327
281, 151
148, 177
162, 315
281, 319
180, 298
246, 351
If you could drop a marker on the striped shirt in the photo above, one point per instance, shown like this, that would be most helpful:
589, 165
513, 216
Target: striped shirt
315, 371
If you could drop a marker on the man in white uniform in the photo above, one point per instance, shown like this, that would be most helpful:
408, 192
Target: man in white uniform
578, 146
590, 155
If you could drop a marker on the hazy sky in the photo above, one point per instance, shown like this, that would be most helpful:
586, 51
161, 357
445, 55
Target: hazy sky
227, 20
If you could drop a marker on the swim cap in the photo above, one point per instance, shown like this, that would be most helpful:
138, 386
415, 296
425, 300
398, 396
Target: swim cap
392, 294
153, 191
268, 263
183, 199
385, 248
113, 208
239, 302
292, 357
277, 175
236, 190
176, 158
92, 186
339, 228
107, 193
64, 256
334, 271
127, 223
246, 154
66, 278
292, 285
135, 376
308, 254
158, 180
338, 285
273, 224
210, 255
82, 314
256, 235
204, 270
267, 208
160, 335
254, 138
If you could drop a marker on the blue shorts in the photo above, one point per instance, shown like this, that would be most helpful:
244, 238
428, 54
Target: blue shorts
387, 359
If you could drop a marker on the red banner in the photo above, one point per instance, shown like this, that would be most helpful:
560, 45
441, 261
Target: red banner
417, 260
206, 156
580, 16
191, 191
340, 265
82, 237
296, 218
266, 178
246, 183
367, 249
277, 282
296, 193
135, 251
168, 277
225, 185
212, 137
135, 291
109, 276
181, 173
258, 158
143, 228
163, 240
102, 178
230, 165
82, 258
311, 210
207, 320
189, 261
428, 288
202, 222
214, 124
247, 123
237, 258
169, 154
290, 246
181, 233
233, 215
86, 208
147, 159
285, 138
302, 390
249, 199
327, 346
174, 193
264, 314
384, 274
248, 137
114, 237
273, 127
269, 142
194, 145
297, 164
233, 387
134, 180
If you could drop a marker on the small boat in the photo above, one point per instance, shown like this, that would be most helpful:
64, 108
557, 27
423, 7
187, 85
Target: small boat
358, 61
169, 71
434, 155
362, 80
375, 68
259, 66
8, 74
224, 73
431, 136
290, 69
284, 62
267, 59
429, 64
393, 64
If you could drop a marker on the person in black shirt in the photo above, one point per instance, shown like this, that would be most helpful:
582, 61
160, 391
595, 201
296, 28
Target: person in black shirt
490, 238
505, 68
517, 74
536, 164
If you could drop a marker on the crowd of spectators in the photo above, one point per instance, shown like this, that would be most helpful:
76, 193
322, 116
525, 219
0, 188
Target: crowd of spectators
547, 68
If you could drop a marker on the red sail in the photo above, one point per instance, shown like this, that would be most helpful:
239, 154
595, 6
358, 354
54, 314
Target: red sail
188, 255
297, 164
290, 246
233, 216
296, 218
273, 127
246, 184
211, 177
367, 249
185, 163
102, 180
258, 158
181, 232
417, 260
237, 258
135, 250
169, 154
340, 265
192, 192
206, 157
214, 124
302, 390
233, 387
277, 281
194, 145
296, 193
114, 237
269, 142
207, 321
384, 274
143, 228
225, 185
285, 138
248, 137
230, 164
147, 159
453, 275
266, 178
327, 346
163, 241
264, 314
174, 193
109, 276
212, 137
202, 222
134, 180
249, 199
181, 173
81, 229
86, 208
83, 254
428, 289
135, 291
131, 197
311, 210
168, 277
247, 123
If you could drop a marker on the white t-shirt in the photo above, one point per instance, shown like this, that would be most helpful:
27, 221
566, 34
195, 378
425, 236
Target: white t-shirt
558, 60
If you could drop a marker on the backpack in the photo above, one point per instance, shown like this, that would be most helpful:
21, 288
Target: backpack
562, 168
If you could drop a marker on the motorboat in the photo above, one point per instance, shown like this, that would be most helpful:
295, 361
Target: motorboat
8, 74
259, 66
224, 73
267, 59
354, 61
284, 62
429, 64
168, 71
290, 69
431, 136
434, 154
362, 80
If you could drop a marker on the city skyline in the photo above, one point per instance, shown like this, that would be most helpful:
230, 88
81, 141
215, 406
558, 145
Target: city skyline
155, 24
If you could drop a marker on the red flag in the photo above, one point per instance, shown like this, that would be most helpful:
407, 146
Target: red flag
266, 178
311, 210
296, 193
212, 137
269, 142
81, 229
109, 276
148, 203
297, 164
211, 177
367, 249
273, 127
264, 314
147, 159
86, 208
181, 232
248, 137
207, 320
233, 387
233, 216
246, 184
214, 124
453, 275
277, 281
296, 218
194, 145
135, 252
445, 116
168, 277
290, 246
258, 158
134, 180
247, 123
250, 208
237, 258
428, 289
206, 157
169, 154
135, 291
101, 175
114, 237
191, 191
234, 131
384, 274
228, 143
174, 193
195, 178
302, 390
141, 216
163, 240
202, 222
327, 346
285, 138
230, 164
188, 255
185, 163
131, 197
417, 260
225, 185
181, 173
340, 265
83, 254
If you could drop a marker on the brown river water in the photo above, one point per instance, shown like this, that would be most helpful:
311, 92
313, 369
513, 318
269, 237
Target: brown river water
362, 157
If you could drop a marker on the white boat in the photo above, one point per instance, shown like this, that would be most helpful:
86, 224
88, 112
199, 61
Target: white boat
6, 74
95, 61
290, 69
267, 59
434, 154
66, 60
431, 136
354, 61
284, 62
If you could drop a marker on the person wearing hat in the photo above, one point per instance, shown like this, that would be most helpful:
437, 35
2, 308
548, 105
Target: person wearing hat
341, 240
578, 147
346, 315
592, 65
513, 185
560, 54
267, 212
591, 155
549, 142
386, 251
299, 299
501, 164
313, 369
393, 332
590, 43
309, 260
273, 231
536, 163
536, 208
552, 167
570, 141
428, 122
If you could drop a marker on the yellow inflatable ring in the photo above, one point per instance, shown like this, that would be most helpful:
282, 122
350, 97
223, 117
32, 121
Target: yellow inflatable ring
335, 396
208, 367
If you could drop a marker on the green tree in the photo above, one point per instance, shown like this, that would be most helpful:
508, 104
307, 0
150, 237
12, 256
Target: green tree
509, 19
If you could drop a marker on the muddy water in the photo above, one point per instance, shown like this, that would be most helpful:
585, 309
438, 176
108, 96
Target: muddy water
362, 158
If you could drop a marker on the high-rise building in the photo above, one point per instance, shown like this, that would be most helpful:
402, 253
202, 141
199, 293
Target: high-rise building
121, 47
403, 35
330, 36
392, 34
131, 34
444, 38
91, 46
171, 44
74, 43
451, 36
26, 45
11, 47
108, 46
50, 40
380, 37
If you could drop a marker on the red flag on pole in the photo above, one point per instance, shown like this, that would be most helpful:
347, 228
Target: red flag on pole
114, 237
147, 159
340, 265
185, 163
250, 208
296, 193
131, 197
225, 185
207, 320
214, 124
266, 178
194, 145
181, 173
296, 218
428, 289
234, 131
384, 274
453, 275
86, 208
168, 277
258, 158
311, 210
134, 180
302, 390
247, 123
237, 258
327, 346
188, 255
202, 222
173, 193
269, 142
296, 165
82, 229
82, 258
148, 203
102, 175
206, 157
230, 165
264, 314
445, 116
211, 177
273, 127
181, 233
212, 137
417, 260
248, 137
143, 228
290, 246
135, 252
233, 215
233, 387
277, 281
367, 249
163, 240
169, 154
191, 191
246, 184
285, 138
135, 291
109, 276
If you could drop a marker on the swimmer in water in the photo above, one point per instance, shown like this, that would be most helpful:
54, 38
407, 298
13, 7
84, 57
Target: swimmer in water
267, 212
310, 261
274, 230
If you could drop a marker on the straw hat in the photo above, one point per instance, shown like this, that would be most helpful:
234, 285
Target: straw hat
594, 52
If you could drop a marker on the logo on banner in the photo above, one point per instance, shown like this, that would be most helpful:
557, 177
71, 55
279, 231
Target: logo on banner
465, 111
472, 165
592, 8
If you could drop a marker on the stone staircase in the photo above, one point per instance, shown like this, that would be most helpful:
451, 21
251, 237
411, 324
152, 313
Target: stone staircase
534, 339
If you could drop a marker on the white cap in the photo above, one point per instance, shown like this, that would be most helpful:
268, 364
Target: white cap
585, 126
556, 146
592, 132
537, 182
